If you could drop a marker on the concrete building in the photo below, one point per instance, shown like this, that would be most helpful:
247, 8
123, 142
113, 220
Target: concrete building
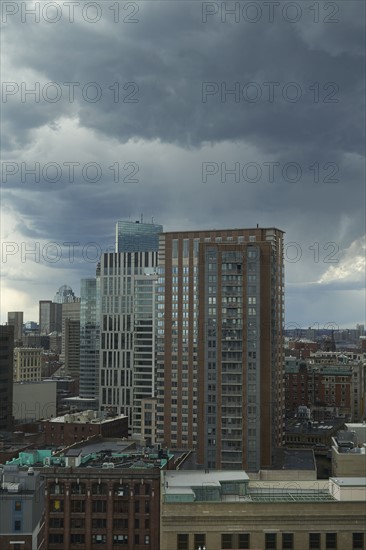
220, 350
148, 420
27, 364
6, 376
71, 428
50, 317
22, 505
226, 510
33, 401
349, 451
15, 319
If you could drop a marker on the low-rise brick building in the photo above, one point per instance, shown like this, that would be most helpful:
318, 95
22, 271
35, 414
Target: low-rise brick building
71, 428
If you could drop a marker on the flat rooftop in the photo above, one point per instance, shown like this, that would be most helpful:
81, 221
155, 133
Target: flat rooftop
84, 418
235, 486
349, 481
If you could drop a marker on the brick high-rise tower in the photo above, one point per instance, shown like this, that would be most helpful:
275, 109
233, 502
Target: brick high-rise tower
220, 358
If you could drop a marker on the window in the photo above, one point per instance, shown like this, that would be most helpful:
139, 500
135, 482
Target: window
99, 539
17, 525
99, 506
56, 489
55, 538
120, 539
17, 505
77, 523
99, 489
56, 523
244, 541
99, 523
357, 541
331, 541
57, 505
121, 490
175, 248
77, 538
121, 523
182, 542
287, 541
227, 540
78, 506
78, 488
270, 541
121, 507
199, 540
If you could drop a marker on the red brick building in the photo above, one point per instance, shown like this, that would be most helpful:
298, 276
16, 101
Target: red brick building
319, 385
72, 428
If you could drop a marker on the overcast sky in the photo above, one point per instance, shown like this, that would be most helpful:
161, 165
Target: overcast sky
192, 116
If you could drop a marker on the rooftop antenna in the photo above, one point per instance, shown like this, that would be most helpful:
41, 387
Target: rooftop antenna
142, 218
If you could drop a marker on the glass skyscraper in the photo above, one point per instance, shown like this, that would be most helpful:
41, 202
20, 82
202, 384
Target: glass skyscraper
89, 338
137, 236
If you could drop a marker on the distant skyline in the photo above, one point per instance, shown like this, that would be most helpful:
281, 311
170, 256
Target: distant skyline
197, 120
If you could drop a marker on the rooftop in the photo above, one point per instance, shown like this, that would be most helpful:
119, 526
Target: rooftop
299, 426
84, 417
235, 486
349, 481
96, 455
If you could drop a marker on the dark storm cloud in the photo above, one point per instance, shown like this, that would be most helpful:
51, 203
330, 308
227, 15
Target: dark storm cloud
169, 55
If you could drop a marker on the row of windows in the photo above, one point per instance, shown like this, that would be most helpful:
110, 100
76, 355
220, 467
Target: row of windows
272, 541
56, 538
102, 489
100, 506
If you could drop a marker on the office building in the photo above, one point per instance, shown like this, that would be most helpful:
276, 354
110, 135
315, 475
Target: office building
127, 288
70, 346
15, 319
27, 364
127, 352
227, 510
101, 495
6, 376
64, 295
89, 340
137, 236
219, 336
50, 317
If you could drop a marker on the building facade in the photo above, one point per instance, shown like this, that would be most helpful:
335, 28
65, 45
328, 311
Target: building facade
127, 326
33, 401
27, 364
220, 356
137, 236
50, 317
22, 506
15, 319
70, 347
89, 339
6, 376
216, 511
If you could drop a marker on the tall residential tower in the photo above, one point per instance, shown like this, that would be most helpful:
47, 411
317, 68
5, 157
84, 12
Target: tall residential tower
219, 337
